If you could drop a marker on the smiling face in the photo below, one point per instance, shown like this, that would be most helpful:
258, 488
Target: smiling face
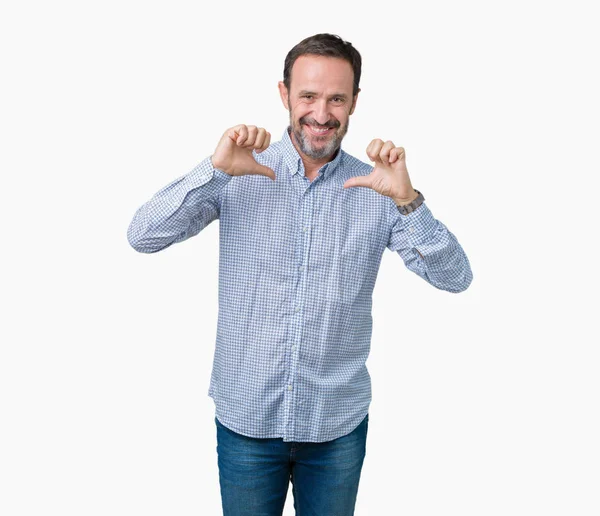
320, 103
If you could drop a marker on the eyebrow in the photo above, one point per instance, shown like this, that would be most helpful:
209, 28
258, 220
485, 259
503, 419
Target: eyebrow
306, 92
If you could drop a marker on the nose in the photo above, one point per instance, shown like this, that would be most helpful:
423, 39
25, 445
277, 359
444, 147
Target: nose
321, 112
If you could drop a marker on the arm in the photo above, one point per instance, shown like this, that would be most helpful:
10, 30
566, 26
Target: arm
429, 249
180, 210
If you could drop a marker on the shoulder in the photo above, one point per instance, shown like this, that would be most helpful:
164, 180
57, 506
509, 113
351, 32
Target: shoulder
354, 165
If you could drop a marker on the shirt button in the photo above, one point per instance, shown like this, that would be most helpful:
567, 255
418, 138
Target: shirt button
301, 268
411, 229
297, 309
305, 229
293, 347
289, 387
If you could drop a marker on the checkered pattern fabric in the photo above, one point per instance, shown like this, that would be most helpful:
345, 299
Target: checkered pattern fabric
298, 263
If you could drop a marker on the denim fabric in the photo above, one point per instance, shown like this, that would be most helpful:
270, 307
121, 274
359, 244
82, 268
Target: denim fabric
254, 473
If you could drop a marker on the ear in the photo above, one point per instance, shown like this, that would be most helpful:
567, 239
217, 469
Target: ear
354, 102
283, 93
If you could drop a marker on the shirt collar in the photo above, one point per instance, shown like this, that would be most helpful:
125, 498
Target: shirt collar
294, 161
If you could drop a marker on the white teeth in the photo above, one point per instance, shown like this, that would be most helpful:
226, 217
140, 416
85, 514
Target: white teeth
319, 130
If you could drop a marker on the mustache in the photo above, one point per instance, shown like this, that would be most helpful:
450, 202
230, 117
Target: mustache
312, 121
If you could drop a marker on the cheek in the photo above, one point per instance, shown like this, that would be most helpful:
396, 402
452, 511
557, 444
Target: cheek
301, 107
299, 111
343, 117
340, 117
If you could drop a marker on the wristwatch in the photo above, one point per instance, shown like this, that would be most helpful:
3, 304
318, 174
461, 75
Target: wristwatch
405, 209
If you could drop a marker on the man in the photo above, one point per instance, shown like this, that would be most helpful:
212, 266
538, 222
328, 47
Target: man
300, 248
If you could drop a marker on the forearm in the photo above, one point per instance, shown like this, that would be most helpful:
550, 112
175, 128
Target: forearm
430, 250
179, 210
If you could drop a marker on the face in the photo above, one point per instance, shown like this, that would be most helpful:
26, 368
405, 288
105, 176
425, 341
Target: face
320, 103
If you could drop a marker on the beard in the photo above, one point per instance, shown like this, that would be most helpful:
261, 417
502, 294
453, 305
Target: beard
318, 147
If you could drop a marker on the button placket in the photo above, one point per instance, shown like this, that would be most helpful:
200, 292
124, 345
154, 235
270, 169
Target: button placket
306, 209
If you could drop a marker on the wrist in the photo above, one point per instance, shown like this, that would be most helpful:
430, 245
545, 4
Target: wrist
216, 166
406, 209
403, 201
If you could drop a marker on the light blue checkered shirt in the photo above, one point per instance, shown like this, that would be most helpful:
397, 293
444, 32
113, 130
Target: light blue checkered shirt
298, 263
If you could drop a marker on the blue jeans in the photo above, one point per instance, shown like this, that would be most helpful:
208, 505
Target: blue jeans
254, 474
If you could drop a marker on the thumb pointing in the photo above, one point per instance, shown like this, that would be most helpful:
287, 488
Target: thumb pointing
266, 171
357, 181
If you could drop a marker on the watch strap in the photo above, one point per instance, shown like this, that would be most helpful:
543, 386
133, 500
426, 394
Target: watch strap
412, 206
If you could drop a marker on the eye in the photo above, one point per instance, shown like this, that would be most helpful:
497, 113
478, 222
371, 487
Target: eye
340, 99
307, 96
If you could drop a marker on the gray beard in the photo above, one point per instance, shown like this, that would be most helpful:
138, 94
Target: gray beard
305, 142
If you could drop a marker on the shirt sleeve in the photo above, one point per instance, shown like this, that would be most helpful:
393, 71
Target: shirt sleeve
180, 210
429, 249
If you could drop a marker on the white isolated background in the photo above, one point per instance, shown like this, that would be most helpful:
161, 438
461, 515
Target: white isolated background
484, 402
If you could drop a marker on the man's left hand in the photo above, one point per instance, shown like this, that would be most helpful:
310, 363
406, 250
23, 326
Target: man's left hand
389, 176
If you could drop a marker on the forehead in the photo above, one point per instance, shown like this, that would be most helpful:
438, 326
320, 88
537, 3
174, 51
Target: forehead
320, 73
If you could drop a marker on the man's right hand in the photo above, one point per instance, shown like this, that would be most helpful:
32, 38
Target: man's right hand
233, 154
